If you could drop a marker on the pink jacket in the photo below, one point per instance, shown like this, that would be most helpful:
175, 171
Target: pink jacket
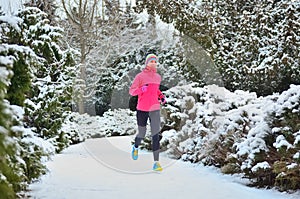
147, 101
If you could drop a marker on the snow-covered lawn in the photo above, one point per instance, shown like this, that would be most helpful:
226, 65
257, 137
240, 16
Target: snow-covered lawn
102, 168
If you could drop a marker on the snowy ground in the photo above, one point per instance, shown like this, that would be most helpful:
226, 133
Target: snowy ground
102, 168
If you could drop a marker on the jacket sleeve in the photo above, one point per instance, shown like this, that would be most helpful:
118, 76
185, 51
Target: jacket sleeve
135, 88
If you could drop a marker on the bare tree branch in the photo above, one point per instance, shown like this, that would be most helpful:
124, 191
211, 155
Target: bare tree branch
70, 16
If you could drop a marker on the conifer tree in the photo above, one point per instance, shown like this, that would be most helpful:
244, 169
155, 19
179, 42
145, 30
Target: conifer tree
52, 77
254, 44
39, 82
9, 179
47, 6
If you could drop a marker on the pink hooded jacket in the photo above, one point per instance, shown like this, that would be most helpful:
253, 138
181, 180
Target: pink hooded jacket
147, 101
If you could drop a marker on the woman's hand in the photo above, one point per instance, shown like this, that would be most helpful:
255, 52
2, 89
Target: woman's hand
162, 99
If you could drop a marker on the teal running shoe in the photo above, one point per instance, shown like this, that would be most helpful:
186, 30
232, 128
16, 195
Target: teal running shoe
157, 167
134, 153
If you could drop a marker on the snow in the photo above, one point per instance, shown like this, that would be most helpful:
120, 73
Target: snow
297, 138
297, 155
19, 48
291, 166
2, 177
10, 7
288, 100
31, 138
102, 168
3, 130
4, 73
281, 141
261, 165
117, 122
28, 135
13, 21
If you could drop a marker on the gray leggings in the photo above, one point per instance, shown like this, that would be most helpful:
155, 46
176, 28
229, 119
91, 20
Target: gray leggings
142, 118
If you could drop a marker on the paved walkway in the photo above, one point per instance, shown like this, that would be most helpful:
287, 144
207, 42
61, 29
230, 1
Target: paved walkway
103, 169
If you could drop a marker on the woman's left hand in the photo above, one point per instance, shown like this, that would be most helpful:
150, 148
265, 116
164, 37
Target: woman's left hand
162, 99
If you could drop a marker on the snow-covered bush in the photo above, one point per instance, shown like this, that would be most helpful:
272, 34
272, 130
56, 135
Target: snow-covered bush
208, 113
118, 122
284, 121
236, 131
32, 150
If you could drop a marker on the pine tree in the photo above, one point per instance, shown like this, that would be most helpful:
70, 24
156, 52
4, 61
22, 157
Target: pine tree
9, 178
20, 82
258, 58
40, 76
247, 40
47, 6
52, 77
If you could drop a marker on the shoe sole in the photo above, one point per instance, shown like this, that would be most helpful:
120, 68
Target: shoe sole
158, 169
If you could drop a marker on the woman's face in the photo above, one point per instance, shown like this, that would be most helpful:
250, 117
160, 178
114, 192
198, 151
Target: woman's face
152, 64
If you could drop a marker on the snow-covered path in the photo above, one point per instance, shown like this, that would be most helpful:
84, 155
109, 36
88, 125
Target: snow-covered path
103, 168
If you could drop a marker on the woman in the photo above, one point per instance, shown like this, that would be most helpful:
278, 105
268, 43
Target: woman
146, 86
